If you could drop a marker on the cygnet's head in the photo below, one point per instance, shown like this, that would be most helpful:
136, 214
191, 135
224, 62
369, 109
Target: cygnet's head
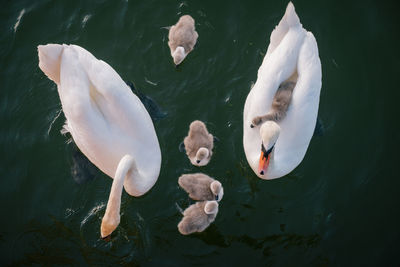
269, 132
179, 55
108, 225
202, 157
211, 207
217, 190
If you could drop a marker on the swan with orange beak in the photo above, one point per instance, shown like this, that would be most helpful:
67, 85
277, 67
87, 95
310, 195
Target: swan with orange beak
273, 150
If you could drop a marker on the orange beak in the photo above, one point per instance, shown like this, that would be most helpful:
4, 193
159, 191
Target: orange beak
263, 163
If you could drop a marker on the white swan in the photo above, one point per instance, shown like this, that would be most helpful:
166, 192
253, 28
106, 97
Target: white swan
107, 121
291, 49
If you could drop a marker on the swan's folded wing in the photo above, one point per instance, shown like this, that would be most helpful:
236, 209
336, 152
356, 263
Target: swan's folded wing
306, 99
73, 86
112, 95
298, 126
103, 77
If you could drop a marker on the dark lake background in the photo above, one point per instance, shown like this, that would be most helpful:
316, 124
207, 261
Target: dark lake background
339, 207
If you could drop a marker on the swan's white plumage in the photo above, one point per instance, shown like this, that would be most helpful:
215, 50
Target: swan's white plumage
291, 47
106, 120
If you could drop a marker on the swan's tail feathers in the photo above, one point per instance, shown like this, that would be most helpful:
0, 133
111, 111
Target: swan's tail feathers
49, 60
290, 19
65, 129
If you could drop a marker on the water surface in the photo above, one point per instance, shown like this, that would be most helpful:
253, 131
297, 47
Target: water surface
339, 207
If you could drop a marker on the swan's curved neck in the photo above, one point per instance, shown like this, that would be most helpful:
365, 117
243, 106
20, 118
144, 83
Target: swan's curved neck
111, 217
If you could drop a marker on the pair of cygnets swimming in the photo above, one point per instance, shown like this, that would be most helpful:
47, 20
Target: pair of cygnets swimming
208, 192
198, 145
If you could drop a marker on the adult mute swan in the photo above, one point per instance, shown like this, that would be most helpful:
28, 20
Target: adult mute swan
273, 149
107, 121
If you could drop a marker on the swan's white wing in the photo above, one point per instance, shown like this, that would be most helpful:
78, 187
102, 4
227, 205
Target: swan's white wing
298, 126
119, 105
130, 128
86, 122
106, 120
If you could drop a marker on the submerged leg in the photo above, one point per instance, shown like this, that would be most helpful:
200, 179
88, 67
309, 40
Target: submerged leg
151, 106
82, 170
319, 128
182, 147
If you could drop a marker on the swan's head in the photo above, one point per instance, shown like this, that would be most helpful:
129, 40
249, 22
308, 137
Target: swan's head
179, 55
211, 207
202, 157
269, 132
217, 190
108, 225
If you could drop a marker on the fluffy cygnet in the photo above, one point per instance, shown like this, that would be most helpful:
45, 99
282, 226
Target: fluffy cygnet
201, 187
197, 217
198, 144
280, 103
182, 38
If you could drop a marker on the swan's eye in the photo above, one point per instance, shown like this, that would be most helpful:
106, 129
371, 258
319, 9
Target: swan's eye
198, 161
216, 197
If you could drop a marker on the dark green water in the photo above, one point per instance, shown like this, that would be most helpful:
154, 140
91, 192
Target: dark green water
339, 207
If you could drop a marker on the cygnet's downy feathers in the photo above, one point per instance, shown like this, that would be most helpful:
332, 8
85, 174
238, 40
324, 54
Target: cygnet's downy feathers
197, 217
182, 38
200, 186
198, 144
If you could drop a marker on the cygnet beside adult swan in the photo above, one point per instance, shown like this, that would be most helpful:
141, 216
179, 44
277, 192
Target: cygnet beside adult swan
107, 121
275, 149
